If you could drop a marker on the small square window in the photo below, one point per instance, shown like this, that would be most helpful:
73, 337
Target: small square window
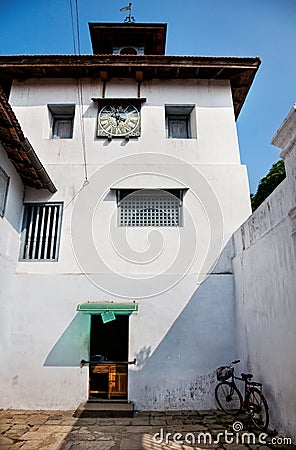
62, 118
4, 182
41, 231
178, 121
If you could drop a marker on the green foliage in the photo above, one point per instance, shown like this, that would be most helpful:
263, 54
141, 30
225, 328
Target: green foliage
267, 184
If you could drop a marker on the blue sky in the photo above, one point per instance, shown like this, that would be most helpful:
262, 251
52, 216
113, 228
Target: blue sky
264, 28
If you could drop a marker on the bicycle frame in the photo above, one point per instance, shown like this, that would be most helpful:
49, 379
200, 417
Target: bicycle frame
247, 386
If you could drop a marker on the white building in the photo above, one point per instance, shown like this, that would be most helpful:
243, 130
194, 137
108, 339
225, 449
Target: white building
142, 149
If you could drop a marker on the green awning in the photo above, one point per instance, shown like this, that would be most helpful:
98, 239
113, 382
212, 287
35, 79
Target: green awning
99, 308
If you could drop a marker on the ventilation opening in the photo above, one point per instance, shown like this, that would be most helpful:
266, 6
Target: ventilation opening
128, 51
150, 208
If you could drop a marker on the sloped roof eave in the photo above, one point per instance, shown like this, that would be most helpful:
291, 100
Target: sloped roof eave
20, 151
240, 71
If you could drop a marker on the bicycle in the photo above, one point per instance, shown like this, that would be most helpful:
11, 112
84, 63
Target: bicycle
231, 401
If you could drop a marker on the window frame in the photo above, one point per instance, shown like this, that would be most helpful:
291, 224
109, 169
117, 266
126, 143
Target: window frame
60, 206
58, 113
181, 113
6, 179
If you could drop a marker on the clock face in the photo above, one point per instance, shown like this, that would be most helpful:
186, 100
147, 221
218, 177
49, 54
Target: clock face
119, 119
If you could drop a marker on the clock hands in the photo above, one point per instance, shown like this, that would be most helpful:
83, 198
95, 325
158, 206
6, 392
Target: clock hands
117, 116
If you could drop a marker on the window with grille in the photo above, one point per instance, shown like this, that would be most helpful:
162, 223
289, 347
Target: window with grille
4, 182
178, 121
149, 208
41, 231
62, 117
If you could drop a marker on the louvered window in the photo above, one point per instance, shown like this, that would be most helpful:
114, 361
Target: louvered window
150, 208
41, 231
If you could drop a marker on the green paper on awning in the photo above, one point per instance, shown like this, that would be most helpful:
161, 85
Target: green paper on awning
108, 316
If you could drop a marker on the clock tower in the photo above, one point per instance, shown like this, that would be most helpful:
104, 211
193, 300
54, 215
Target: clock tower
121, 118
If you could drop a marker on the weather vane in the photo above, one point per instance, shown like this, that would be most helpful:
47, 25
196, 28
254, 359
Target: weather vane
129, 18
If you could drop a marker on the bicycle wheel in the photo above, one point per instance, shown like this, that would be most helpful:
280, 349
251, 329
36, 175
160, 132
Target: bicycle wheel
257, 408
228, 398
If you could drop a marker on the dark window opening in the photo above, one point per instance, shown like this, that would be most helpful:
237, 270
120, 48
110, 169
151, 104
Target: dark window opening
62, 121
4, 182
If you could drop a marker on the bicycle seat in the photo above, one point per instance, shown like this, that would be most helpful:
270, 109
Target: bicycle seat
246, 376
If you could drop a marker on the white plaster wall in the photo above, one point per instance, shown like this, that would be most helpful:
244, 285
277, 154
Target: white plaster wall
9, 251
216, 141
179, 332
176, 338
265, 286
10, 225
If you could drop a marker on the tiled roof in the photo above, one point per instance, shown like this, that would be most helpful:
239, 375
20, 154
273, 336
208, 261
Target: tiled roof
20, 151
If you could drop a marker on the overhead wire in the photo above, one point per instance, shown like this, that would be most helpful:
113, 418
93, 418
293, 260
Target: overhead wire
77, 26
73, 30
77, 50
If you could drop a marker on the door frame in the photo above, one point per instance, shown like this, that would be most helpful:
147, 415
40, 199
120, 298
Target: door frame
96, 308
116, 371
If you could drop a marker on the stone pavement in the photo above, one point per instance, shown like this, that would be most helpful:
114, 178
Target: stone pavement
59, 430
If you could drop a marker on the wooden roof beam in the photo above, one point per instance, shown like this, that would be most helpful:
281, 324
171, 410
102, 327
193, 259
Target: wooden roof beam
217, 74
104, 75
139, 75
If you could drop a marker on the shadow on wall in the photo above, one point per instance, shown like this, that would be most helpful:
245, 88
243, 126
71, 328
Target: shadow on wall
73, 345
180, 371
142, 357
200, 336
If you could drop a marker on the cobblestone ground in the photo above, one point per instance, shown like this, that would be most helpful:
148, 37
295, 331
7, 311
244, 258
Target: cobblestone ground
59, 430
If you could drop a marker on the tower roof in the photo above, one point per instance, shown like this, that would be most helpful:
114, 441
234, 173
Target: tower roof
106, 36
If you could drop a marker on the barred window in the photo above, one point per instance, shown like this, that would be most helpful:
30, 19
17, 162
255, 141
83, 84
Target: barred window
41, 231
150, 208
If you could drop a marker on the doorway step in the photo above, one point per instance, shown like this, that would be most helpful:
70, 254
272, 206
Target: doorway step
100, 408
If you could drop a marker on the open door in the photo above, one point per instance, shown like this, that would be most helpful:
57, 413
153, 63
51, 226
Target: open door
108, 357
